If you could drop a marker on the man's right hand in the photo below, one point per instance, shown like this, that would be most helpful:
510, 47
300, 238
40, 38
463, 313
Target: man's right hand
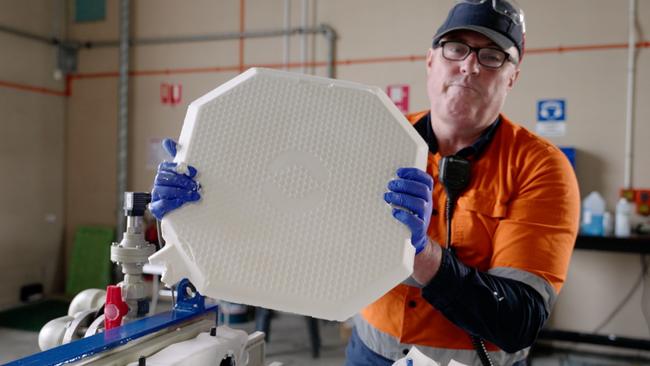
174, 184
412, 191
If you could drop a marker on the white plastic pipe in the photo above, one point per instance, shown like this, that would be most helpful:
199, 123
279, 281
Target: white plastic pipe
123, 115
631, 73
304, 23
287, 37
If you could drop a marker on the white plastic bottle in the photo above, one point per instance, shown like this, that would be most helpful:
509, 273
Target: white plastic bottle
593, 209
608, 224
623, 215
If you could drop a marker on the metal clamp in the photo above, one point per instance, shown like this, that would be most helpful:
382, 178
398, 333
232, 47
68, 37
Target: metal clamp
188, 298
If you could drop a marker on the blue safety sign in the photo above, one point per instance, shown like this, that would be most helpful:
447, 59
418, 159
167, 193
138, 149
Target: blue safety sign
551, 110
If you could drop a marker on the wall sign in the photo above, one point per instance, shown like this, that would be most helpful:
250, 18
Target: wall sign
551, 117
170, 94
89, 10
399, 94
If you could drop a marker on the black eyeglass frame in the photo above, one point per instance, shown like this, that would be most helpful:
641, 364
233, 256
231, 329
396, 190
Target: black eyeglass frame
476, 50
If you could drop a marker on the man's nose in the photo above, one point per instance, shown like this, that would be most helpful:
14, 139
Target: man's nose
470, 64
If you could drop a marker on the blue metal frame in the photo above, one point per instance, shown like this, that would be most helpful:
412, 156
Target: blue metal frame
186, 308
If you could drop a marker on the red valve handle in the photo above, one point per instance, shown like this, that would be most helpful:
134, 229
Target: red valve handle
115, 308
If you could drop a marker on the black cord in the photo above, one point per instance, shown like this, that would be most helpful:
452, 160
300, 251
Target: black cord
449, 212
477, 342
644, 293
640, 281
621, 304
455, 174
482, 352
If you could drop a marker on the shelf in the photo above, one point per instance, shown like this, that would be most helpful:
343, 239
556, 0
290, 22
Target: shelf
591, 338
633, 244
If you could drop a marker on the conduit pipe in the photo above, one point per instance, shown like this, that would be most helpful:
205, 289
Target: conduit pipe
123, 115
330, 35
242, 20
206, 37
631, 76
33, 89
29, 35
287, 38
321, 29
330, 64
304, 22
327, 31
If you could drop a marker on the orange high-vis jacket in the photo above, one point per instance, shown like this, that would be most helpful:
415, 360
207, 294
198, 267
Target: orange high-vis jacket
518, 219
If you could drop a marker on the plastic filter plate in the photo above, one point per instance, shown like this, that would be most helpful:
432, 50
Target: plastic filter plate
293, 169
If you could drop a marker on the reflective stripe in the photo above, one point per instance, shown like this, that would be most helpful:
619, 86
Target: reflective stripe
390, 347
411, 282
539, 284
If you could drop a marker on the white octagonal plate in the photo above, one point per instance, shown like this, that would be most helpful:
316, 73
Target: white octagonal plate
293, 170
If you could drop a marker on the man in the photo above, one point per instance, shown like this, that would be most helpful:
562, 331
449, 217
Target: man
481, 291
514, 223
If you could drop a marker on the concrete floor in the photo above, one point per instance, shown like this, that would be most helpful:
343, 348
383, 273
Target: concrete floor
16, 344
289, 344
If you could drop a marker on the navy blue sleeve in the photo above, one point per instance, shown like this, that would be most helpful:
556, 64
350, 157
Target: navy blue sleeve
504, 311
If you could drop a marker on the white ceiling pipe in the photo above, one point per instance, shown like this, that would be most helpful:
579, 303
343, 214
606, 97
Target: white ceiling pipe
631, 73
287, 37
304, 23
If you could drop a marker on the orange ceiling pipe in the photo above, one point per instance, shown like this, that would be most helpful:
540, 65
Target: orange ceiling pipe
242, 66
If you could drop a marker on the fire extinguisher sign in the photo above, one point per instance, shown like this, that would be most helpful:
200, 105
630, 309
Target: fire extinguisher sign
399, 94
170, 94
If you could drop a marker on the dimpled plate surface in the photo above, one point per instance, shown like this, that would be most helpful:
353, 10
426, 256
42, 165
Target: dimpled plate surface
293, 169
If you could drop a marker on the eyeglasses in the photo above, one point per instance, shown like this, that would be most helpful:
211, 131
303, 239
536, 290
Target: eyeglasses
489, 57
508, 8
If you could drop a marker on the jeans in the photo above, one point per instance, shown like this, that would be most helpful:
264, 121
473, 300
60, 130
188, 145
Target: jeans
357, 354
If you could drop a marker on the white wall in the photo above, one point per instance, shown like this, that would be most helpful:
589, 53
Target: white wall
31, 152
593, 83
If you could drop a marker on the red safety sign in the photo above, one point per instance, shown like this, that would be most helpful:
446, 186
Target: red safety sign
399, 94
170, 93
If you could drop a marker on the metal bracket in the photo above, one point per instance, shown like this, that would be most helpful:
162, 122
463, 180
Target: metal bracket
188, 298
66, 57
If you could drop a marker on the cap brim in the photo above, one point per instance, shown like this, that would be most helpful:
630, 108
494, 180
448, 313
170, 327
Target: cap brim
496, 37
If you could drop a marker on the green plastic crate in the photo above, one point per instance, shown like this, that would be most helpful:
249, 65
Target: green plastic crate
90, 263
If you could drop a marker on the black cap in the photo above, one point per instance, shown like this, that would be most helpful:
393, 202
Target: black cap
484, 19
136, 202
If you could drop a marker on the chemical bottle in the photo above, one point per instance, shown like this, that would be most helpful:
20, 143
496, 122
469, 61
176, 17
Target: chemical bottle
623, 215
593, 209
608, 224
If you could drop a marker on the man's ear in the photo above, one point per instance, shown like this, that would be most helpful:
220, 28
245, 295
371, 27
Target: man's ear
429, 60
513, 78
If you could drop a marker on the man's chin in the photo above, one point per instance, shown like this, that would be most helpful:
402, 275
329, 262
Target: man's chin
464, 114
462, 89
462, 107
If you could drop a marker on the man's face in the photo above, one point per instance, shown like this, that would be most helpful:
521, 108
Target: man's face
465, 93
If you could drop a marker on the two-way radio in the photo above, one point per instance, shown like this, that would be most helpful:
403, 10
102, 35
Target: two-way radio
455, 174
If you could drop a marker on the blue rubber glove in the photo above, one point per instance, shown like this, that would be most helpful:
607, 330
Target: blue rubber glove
171, 188
412, 191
